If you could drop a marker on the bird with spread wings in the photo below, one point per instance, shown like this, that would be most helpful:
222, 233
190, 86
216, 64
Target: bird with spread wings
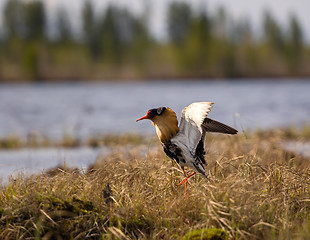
185, 143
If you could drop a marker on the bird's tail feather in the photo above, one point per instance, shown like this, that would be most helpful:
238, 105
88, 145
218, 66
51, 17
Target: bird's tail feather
200, 169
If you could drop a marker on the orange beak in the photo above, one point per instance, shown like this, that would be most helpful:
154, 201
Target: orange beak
147, 116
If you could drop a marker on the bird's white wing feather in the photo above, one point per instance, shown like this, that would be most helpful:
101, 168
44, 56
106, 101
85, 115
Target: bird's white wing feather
191, 119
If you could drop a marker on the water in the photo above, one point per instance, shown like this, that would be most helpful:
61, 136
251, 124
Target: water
86, 109
299, 147
83, 110
30, 161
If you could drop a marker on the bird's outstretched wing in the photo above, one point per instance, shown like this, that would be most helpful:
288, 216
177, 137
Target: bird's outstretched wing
192, 119
210, 125
194, 125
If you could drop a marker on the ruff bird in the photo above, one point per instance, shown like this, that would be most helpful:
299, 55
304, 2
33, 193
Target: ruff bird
185, 143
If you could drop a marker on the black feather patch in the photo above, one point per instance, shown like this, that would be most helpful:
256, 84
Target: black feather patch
210, 125
173, 152
157, 111
200, 151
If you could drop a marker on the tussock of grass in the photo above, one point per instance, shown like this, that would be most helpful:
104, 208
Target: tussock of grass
255, 191
293, 132
115, 140
11, 142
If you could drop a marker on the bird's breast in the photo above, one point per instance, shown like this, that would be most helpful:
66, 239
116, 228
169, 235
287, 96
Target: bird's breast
166, 132
166, 126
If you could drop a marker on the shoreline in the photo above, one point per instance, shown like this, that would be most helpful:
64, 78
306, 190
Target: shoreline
118, 79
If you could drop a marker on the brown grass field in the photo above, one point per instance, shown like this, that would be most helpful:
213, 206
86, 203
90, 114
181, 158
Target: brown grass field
255, 190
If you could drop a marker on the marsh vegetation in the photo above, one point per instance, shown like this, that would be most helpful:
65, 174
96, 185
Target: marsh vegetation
255, 190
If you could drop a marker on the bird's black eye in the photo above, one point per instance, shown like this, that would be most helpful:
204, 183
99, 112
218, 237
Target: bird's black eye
160, 110
157, 111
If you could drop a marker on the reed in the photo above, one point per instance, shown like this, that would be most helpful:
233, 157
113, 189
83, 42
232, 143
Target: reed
255, 190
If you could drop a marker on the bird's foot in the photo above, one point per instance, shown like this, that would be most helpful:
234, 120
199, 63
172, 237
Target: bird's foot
184, 181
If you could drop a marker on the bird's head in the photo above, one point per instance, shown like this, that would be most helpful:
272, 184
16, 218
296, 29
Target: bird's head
165, 122
153, 113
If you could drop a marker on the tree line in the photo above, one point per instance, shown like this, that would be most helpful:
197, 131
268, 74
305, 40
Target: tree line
117, 44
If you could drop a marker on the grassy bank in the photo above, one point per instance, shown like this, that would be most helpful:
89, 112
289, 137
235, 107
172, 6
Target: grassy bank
37, 140
69, 141
255, 190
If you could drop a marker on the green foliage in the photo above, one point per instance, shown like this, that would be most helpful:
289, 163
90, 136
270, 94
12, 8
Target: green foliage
73, 205
31, 62
273, 33
13, 18
25, 20
91, 31
206, 234
115, 43
113, 36
295, 45
179, 21
198, 44
64, 28
34, 20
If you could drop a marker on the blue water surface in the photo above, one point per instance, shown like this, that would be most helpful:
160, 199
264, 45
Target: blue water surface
86, 109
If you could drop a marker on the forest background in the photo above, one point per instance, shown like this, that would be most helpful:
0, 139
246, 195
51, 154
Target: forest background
117, 44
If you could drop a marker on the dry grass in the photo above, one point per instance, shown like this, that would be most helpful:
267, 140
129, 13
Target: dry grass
37, 140
255, 191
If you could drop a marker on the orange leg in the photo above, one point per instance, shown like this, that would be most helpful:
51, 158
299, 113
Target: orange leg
185, 180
